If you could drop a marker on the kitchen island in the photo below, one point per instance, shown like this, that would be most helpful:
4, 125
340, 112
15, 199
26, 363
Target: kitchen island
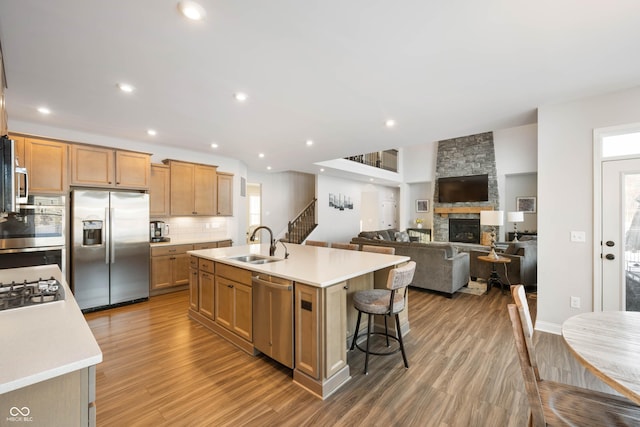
47, 358
321, 282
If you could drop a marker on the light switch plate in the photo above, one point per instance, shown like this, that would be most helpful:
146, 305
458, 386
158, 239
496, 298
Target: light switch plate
578, 236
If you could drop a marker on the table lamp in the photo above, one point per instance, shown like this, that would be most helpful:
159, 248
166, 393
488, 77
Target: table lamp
515, 218
492, 219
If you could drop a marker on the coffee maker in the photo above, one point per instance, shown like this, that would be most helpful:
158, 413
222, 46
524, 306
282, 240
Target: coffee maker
157, 231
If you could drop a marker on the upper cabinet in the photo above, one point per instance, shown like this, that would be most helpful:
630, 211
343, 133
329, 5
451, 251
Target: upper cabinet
46, 162
193, 189
105, 167
159, 204
225, 194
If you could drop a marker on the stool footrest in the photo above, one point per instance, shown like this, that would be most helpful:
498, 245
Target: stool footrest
387, 353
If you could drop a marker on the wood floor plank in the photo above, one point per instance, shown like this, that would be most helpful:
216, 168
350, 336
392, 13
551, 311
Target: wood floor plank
162, 369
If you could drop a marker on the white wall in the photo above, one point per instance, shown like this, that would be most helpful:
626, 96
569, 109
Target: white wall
565, 201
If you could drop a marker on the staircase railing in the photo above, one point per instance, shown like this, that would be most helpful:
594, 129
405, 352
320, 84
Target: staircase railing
303, 224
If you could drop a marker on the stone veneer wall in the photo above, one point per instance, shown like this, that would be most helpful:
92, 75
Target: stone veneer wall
468, 155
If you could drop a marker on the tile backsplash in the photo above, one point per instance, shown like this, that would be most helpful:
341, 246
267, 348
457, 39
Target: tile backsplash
196, 228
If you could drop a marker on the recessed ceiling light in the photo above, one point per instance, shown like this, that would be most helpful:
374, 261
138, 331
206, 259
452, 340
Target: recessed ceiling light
152, 132
309, 143
125, 87
214, 145
371, 179
192, 10
321, 169
390, 123
44, 110
261, 155
268, 168
241, 96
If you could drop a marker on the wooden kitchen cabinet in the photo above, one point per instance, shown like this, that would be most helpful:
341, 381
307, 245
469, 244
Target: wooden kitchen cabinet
206, 287
106, 167
234, 300
194, 287
225, 194
169, 267
46, 162
315, 307
193, 189
159, 203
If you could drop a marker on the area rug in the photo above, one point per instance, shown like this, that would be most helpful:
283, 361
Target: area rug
475, 287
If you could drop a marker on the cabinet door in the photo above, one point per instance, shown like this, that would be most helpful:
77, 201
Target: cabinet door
224, 302
194, 290
307, 330
181, 269
133, 170
204, 190
225, 194
243, 311
159, 191
161, 272
335, 319
92, 166
207, 300
46, 163
181, 183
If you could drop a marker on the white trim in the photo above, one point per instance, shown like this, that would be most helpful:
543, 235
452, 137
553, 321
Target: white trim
552, 328
598, 160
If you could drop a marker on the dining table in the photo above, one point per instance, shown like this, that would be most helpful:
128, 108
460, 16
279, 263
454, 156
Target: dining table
607, 343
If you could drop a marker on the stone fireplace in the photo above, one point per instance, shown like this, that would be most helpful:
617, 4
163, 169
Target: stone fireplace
464, 230
469, 155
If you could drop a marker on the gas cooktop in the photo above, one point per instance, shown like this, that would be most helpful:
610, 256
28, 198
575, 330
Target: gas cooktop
14, 295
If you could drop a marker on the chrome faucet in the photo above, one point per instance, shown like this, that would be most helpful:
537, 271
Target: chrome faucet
272, 242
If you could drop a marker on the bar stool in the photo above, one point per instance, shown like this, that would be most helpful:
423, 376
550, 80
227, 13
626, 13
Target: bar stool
348, 246
389, 250
386, 302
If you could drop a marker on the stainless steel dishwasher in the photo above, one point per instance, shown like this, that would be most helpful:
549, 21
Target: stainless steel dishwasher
273, 317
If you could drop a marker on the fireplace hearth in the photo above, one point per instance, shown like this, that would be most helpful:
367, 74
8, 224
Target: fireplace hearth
464, 230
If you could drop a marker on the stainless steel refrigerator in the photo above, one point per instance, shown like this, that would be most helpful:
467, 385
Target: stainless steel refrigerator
110, 257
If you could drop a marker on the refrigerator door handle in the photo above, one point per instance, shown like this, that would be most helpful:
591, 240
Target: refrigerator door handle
107, 231
113, 246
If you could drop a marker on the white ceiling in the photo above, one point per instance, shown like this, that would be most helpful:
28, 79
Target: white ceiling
331, 71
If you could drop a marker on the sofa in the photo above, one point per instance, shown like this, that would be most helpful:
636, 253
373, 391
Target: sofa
523, 268
439, 266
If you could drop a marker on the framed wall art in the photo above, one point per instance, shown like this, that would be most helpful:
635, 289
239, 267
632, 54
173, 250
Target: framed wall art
526, 204
422, 205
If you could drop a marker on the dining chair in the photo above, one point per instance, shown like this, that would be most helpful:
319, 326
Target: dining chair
348, 246
384, 302
316, 243
379, 249
553, 403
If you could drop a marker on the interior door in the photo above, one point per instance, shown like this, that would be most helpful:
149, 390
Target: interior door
621, 235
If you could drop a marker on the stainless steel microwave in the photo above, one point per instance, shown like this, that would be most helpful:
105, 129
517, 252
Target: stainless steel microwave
14, 180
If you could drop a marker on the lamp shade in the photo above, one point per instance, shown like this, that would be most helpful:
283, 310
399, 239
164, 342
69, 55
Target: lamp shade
515, 216
495, 218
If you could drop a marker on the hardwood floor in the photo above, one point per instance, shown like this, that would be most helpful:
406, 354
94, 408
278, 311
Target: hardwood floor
160, 368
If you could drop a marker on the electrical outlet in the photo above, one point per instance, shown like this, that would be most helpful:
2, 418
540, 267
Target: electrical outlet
575, 302
578, 236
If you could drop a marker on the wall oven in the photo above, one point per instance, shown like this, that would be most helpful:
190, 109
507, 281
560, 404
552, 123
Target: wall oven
34, 234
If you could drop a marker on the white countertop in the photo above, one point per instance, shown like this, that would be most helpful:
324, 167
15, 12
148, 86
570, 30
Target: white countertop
311, 265
44, 341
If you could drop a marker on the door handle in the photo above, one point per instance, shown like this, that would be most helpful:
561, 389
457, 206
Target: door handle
610, 243
610, 256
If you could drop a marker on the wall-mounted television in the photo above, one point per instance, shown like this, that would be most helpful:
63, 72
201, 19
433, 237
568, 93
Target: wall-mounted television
455, 189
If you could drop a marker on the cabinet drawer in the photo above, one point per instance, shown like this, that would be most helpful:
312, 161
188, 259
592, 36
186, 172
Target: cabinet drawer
207, 245
171, 250
193, 262
234, 273
205, 265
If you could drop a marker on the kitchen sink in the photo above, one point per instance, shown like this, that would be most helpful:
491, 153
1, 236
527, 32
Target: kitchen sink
254, 259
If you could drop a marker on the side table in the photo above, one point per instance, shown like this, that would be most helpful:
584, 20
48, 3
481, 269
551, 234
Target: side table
494, 279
